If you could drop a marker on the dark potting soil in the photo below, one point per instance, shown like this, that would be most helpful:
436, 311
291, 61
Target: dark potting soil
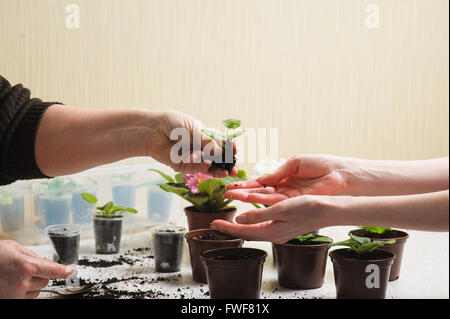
238, 256
214, 236
307, 242
386, 235
374, 255
66, 247
223, 163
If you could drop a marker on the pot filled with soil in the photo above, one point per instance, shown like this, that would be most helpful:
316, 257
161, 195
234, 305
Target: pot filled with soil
274, 258
108, 233
301, 262
387, 234
168, 247
201, 220
65, 240
234, 273
361, 271
107, 225
201, 240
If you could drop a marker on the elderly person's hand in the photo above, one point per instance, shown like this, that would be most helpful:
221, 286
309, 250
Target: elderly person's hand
159, 144
23, 273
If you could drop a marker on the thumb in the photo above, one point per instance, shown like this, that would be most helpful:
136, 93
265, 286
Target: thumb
51, 270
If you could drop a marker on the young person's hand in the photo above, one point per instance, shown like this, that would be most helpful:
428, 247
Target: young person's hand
300, 175
23, 273
282, 221
333, 175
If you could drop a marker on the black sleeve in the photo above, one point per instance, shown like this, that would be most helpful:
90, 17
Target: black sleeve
19, 121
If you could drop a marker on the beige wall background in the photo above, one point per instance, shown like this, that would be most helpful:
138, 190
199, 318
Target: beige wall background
310, 68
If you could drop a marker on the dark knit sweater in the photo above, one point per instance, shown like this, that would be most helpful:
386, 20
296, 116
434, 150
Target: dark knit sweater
19, 120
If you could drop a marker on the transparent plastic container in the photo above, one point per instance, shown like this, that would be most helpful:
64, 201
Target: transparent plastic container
27, 208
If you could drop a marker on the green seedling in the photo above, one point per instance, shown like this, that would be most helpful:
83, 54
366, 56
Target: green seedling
230, 124
362, 245
109, 209
376, 230
310, 237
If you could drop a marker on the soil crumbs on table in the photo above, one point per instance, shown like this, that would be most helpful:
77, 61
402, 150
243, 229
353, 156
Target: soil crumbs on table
139, 281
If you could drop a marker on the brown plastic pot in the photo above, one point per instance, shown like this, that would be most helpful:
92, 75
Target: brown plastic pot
315, 232
301, 266
351, 275
234, 273
396, 249
202, 220
198, 246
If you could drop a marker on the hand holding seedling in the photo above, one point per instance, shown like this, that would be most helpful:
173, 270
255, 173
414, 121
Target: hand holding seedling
160, 144
23, 273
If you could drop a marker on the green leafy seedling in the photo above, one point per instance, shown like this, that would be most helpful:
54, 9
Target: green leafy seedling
310, 237
362, 245
376, 230
109, 209
230, 124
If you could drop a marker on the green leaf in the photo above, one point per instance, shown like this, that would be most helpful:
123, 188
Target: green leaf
89, 198
107, 208
231, 123
237, 134
209, 186
376, 230
214, 135
305, 237
322, 239
360, 240
163, 175
176, 188
179, 178
132, 210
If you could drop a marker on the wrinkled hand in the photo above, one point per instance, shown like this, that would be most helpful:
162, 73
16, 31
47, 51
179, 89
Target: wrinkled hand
159, 144
23, 273
283, 221
300, 175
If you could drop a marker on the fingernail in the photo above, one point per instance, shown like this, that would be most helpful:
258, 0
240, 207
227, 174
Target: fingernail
242, 219
69, 270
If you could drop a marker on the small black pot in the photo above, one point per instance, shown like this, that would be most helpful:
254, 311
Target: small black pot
66, 241
107, 231
168, 247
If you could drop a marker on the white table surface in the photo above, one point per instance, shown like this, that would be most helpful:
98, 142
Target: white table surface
424, 273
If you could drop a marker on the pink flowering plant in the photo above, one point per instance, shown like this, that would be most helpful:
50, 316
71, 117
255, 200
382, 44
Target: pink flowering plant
205, 192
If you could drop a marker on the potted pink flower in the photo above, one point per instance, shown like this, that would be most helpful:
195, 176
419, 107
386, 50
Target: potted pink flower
205, 193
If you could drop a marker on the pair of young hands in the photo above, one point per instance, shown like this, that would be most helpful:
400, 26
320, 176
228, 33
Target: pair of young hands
289, 214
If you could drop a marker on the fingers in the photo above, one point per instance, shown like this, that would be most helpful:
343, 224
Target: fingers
266, 196
37, 284
47, 269
32, 294
284, 171
251, 183
256, 216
